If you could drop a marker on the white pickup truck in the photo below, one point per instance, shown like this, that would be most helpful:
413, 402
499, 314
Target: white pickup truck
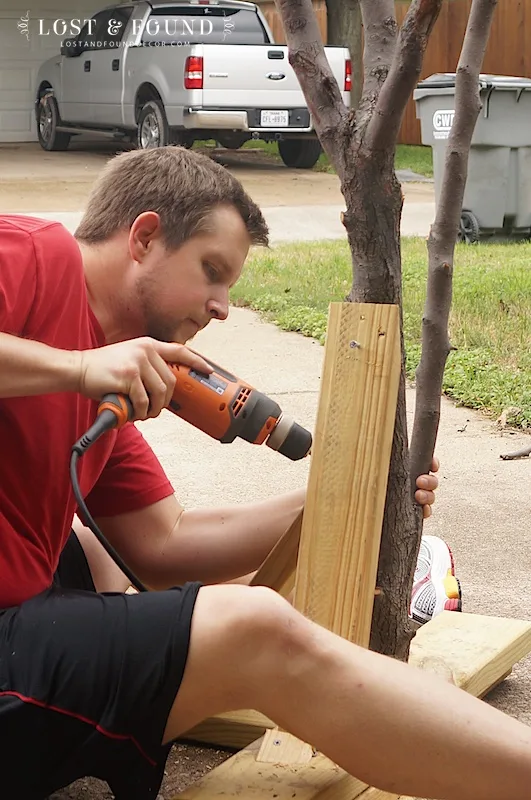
155, 72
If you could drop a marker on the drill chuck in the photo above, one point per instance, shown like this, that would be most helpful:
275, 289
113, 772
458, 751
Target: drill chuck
290, 439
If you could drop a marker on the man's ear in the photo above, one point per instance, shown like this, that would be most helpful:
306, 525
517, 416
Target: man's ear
145, 230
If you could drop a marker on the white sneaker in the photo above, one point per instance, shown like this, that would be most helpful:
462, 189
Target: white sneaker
435, 587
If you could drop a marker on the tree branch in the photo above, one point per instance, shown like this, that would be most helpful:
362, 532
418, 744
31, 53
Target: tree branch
523, 453
380, 35
442, 239
307, 57
344, 28
384, 126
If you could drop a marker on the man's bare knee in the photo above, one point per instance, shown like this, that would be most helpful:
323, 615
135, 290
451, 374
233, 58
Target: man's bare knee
240, 636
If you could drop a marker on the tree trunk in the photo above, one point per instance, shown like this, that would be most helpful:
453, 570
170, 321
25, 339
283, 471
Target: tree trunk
374, 201
344, 29
360, 143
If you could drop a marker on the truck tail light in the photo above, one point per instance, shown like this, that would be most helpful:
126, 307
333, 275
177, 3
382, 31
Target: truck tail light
193, 72
348, 75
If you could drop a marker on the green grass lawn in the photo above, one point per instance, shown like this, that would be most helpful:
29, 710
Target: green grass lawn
413, 157
490, 321
417, 158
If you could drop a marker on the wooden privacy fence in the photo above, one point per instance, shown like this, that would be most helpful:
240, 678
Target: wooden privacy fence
508, 51
275, 23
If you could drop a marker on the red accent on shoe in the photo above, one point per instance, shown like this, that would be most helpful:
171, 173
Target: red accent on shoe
452, 605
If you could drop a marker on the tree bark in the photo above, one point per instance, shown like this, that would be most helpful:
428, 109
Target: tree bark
442, 239
380, 33
404, 73
344, 29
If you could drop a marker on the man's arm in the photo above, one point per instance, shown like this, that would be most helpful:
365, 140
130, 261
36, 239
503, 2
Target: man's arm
166, 546
32, 368
136, 367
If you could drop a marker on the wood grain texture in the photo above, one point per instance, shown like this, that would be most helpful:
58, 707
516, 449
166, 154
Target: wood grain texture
341, 527
236, 729
278, 570
244, 778
280, 747
473, 651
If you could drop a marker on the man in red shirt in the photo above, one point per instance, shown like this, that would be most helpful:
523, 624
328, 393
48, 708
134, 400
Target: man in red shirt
101, 680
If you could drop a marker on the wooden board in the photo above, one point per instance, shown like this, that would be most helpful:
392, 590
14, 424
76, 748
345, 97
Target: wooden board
343, 514
278, 570
233, 729
472, 651
342, 521
241, 777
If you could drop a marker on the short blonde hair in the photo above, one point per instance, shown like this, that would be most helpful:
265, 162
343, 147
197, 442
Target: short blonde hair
183, 187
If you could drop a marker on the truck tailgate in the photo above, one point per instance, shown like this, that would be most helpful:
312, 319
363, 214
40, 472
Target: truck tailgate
258, 76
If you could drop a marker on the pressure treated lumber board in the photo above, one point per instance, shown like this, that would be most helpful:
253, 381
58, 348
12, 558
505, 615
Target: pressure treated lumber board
344, 507
472, 651
278, 570
343, 514
240, 777
233, 729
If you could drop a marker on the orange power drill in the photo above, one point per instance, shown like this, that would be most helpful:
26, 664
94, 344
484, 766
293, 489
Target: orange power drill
220, 404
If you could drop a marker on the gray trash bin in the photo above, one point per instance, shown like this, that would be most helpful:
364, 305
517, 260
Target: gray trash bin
497, 197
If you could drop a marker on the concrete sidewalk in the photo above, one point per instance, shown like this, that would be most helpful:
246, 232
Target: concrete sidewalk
301, 223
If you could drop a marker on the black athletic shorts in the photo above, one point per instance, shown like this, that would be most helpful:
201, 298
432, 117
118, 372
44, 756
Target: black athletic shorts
87, 682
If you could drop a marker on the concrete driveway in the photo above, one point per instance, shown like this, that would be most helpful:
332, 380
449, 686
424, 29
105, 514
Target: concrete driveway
298, 204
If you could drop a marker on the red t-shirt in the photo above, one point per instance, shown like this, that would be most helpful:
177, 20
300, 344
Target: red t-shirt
43, 297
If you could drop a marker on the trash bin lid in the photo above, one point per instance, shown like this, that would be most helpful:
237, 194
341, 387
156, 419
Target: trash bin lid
504, 82
440, 80
444, 83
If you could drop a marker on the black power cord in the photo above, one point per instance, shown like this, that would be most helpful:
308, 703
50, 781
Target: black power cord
105, 421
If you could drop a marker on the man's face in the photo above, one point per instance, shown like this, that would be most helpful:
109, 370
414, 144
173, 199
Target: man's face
180, 291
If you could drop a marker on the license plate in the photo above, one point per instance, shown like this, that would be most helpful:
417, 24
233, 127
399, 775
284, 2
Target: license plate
274, 119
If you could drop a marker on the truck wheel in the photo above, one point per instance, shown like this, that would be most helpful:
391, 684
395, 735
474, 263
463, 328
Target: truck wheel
47, 121
152, 126
299, 153
180, 139
232, 140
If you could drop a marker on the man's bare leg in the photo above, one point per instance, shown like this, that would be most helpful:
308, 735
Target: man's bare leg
107, 576
370, 714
